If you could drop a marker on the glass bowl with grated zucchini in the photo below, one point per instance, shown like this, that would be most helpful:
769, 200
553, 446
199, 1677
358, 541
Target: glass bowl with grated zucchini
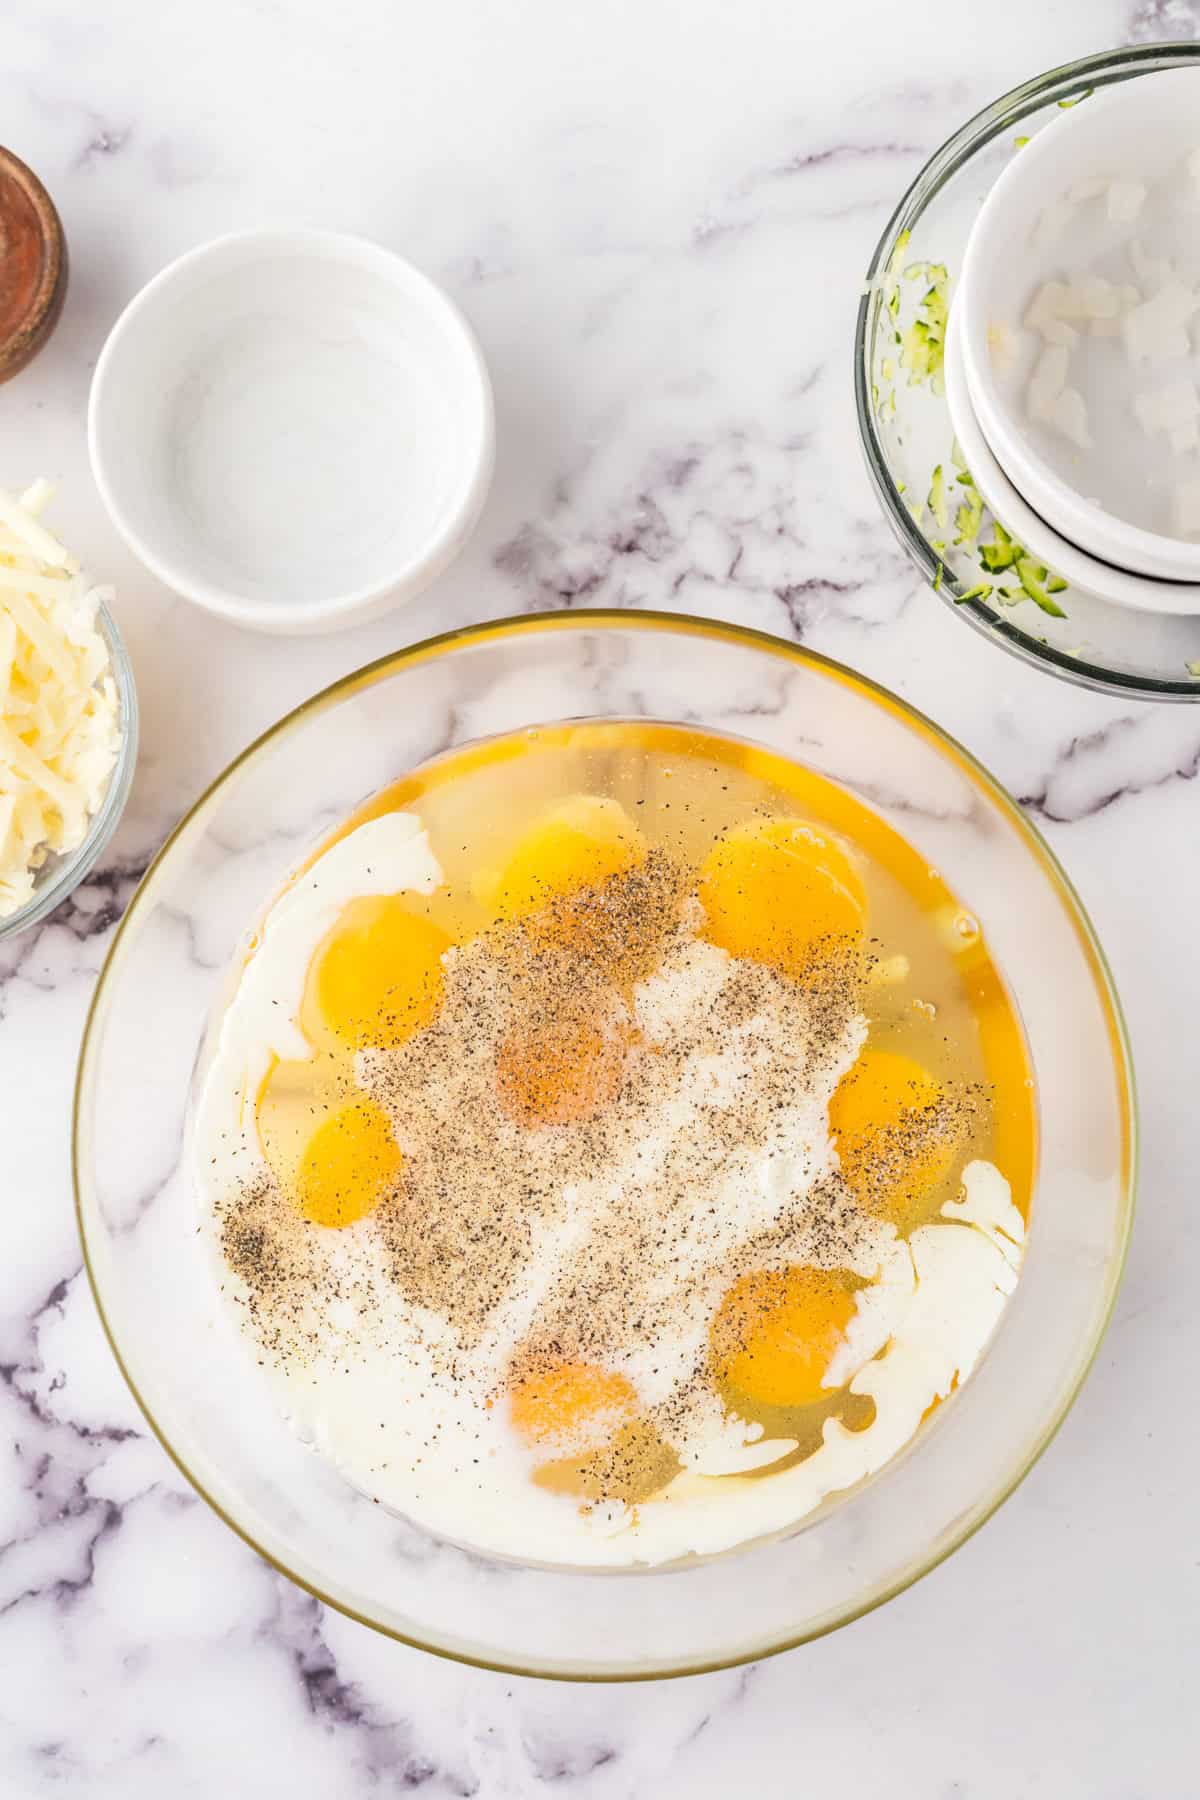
971, 560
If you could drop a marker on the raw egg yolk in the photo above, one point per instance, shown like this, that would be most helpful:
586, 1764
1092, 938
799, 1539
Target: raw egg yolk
571, 1406
562, 1074
348, 1165
378, 975
580, 843
291, 1096
779, 892
775, 1332
889, 1127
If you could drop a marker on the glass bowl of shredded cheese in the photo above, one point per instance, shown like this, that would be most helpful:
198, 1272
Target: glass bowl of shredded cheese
68, 716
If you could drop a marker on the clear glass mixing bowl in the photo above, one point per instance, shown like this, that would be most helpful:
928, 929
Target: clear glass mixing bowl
169, 967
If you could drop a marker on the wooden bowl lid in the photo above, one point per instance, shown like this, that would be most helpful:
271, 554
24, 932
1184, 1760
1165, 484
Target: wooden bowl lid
33, 265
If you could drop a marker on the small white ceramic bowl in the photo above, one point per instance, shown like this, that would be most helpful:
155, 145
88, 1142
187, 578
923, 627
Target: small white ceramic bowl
292, 428
1145, 593
1142, 129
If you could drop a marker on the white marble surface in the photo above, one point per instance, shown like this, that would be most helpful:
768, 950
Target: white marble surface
656, 216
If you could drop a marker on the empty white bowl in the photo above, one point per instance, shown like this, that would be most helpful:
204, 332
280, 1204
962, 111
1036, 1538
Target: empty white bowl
1145, 593
1026, 232
293, 429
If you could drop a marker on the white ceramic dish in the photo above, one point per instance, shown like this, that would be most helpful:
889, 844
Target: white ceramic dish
1146, 593
1143, 130
293, 429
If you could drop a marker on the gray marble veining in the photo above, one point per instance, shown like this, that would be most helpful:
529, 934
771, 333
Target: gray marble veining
657, 220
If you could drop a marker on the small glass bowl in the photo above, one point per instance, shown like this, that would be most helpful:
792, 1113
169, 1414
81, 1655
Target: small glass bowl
909, 440
61, 875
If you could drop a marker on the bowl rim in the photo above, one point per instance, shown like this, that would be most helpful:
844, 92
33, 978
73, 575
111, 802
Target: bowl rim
999, 116
76, 866
686, 625
407, 579
1132, 549
1141, 593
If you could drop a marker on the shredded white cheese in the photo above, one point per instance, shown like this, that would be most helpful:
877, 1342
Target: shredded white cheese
59, 724
1051, 401
1060, 309
1156, 331
1090, 189
1051, 307
1069, 414
1069, 380
1050, 225
1152, 271
1124, 297
1173, 409
1125, 201
1047, 382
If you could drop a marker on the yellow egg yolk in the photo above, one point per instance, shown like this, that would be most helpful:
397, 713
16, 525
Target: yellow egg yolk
350, 1163
571, 1406
775, 1332
891, 1131
563, 1073
578, 844
778, 891
377, 977
292, 1099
